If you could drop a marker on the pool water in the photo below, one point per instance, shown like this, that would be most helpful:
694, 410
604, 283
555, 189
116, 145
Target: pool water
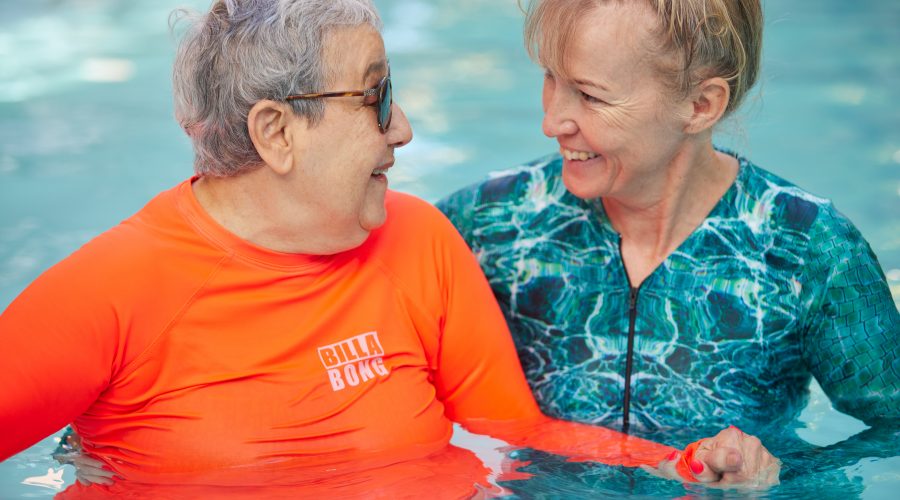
87, 138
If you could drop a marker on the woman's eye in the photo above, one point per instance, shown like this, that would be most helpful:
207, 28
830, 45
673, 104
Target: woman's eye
591, 99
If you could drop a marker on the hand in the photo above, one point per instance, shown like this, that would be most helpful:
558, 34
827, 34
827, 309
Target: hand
731, 459
87, 470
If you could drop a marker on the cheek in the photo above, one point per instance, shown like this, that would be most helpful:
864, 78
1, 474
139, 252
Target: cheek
622, 119
667, 116
617, 130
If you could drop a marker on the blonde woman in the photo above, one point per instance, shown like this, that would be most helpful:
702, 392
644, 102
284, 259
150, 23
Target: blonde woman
652, 281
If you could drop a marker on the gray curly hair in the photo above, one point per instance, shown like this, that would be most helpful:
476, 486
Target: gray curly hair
244, 51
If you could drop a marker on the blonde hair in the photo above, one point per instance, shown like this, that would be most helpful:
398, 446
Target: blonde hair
708, 38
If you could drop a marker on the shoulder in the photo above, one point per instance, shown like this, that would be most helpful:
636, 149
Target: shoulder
510, 186
418, 249
136, 244
514, 195
116, 290
784, 206
126, 246
145, 254
410, 213
415, 231
825, 238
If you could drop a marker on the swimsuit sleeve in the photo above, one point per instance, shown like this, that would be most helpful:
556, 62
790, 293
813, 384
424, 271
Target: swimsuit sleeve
58, 349
478, 375
852, 331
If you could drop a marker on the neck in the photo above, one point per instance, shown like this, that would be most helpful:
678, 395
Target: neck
668, 207
260, 208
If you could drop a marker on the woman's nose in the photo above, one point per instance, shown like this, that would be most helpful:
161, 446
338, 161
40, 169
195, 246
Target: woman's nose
399, 133
558, 113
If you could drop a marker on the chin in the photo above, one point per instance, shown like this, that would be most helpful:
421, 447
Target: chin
372, 220
585, 190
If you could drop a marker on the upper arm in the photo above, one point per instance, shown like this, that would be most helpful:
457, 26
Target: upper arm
478, 372
852, 331
57, 352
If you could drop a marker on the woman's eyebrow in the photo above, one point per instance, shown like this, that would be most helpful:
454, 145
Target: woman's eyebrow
379, 66
589, 83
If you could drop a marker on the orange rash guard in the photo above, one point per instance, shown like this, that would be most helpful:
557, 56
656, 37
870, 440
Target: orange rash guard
185, 355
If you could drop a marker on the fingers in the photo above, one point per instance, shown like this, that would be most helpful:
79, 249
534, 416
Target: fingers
90, 475
728, 460
704, 465
86, 461
64, 458
88, 470
724, 459
89, 480
733, 458
92, 471
668, 467
721, 454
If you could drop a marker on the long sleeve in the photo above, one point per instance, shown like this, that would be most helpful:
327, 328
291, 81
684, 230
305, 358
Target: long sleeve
851, 344
852, 330
58, 350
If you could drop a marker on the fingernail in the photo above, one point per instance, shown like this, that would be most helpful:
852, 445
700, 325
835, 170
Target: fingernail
697, 467
672, 456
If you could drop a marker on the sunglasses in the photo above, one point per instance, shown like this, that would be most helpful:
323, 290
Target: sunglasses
380, 97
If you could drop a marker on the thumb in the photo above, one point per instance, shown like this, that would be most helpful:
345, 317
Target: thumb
725, 459
708, 466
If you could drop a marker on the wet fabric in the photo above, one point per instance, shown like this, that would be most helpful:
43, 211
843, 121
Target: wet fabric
187, 356
774, 287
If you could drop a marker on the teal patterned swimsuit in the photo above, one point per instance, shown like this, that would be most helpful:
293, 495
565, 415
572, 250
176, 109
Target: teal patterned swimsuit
775, 286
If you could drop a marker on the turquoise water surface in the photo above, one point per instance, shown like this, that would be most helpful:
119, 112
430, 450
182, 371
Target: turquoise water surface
87, 138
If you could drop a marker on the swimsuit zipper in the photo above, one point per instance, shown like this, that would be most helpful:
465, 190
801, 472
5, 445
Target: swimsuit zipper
632, 316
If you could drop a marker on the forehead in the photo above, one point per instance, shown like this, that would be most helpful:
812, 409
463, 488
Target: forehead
612, 37
353, 54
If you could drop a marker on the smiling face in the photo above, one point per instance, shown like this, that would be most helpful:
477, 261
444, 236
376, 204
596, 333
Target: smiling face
339, 162
617, 124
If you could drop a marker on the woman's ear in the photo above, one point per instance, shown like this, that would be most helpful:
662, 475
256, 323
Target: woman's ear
709, 103
269, 124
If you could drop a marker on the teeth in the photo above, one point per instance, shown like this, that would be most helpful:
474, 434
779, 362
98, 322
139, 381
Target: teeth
578, 155
379, 171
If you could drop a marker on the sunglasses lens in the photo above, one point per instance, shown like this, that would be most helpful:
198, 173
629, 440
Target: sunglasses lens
385, 99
